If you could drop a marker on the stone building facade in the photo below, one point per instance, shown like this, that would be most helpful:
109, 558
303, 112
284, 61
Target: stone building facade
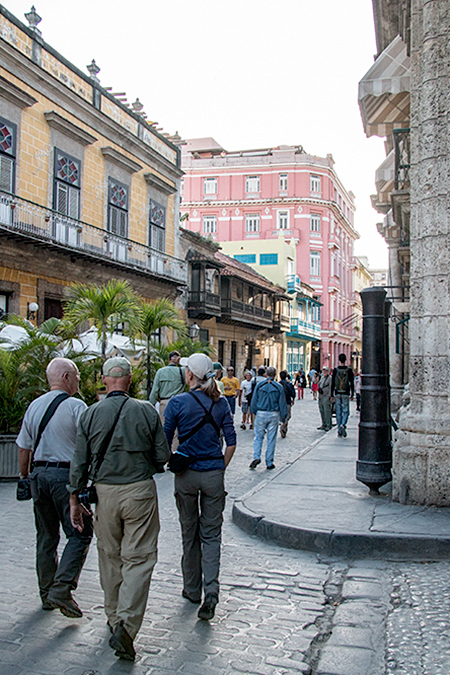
420, 224
89, 190
253, 196
240, 313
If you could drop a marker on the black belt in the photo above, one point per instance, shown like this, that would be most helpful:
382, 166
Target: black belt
57, 465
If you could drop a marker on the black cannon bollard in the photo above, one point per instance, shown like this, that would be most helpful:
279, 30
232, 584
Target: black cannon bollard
373, 467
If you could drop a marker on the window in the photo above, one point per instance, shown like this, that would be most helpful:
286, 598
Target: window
210, 186
66, 195
3, 305
314, 222
182, 186
283, 182
209, 224
117, 208
268, 259
252, 222
252, 184
203, 335
315, 184
314, 263
157, 226
283, 220
7, 154
247, 258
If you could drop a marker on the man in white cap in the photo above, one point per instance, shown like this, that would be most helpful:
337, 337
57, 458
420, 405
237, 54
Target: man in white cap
121, 445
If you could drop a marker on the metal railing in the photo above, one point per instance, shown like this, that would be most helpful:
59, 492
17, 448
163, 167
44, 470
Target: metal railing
231, 306
204, 298
25, 217
299, 326
402, 158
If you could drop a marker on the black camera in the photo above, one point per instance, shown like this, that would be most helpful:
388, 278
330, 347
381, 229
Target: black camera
88, 496
23, 492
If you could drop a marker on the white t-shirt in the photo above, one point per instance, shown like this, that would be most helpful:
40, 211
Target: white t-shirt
246, 387
57, 443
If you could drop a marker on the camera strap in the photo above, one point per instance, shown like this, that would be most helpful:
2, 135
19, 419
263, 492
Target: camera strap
106, 442
46, 419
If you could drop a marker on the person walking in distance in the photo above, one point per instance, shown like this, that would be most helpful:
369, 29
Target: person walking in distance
46, 445
315, 386
232, 388
245, 397
260, 377
342, 391
168, 382
289, 392
120, 445
200, 416
358, 391
300, 381
325, 399
269, 407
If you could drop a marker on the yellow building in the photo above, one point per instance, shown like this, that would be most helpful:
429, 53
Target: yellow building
362, 278
276, 260
88, 187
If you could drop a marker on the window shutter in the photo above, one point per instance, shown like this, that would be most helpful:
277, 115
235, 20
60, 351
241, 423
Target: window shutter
61, 198
6, 173
73, 210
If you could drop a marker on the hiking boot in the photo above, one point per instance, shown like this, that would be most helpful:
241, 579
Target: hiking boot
255, 463
243, 426
66, 606
206, 611
121, 641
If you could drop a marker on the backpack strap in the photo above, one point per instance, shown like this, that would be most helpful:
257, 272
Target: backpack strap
207, 418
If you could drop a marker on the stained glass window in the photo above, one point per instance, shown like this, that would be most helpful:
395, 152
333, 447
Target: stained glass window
7, 154
118, 195
68, 170
157, 214
6, 138
157, 238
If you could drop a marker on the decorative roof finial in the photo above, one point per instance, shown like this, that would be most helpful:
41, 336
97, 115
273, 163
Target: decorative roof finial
137, 106
33, 19
93, 69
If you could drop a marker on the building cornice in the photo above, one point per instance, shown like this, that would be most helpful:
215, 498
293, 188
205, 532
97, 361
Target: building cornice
56, 121
159, 184
15, 94
122, 161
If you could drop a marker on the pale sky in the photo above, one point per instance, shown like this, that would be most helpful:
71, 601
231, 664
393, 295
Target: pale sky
249, 73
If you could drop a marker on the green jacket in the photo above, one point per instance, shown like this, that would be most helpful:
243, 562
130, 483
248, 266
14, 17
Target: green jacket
137, 450
169, 381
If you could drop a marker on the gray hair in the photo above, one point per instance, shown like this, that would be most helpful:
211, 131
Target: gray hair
271, 372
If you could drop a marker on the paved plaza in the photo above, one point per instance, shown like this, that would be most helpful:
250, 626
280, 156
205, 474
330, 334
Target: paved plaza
281, 610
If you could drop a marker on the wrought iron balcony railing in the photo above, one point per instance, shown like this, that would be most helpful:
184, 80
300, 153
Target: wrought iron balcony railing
402, 158
27, 218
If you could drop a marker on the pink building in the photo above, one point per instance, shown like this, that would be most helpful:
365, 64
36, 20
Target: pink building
252, 195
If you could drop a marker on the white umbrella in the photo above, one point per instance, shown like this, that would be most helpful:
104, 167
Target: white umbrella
12, 336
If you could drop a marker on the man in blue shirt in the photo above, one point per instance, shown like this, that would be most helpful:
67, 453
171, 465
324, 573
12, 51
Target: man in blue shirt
269, 406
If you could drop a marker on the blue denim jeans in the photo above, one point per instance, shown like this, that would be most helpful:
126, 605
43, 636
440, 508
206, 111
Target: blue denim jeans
265, 420
342, 406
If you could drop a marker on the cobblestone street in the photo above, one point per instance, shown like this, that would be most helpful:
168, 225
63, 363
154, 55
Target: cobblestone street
281, 611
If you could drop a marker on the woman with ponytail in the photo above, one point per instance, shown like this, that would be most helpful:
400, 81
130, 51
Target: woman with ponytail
201, 416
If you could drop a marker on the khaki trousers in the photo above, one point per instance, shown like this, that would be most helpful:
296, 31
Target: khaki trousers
127, 526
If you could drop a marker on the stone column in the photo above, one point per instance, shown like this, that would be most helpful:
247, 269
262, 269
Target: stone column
422, 451
396, 370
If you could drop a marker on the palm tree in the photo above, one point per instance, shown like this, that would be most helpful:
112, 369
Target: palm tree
106, 307
157, 314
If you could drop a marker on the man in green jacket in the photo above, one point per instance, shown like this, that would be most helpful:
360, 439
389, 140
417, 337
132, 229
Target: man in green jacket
169, 381
126, 515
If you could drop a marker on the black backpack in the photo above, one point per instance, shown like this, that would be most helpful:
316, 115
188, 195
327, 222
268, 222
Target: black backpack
342, 381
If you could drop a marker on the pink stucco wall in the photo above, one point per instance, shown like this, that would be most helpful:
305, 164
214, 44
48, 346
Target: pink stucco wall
231, 205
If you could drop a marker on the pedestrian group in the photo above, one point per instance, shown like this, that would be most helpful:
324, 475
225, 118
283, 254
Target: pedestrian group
72, 456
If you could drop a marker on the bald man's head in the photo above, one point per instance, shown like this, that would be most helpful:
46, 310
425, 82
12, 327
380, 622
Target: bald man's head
63, 374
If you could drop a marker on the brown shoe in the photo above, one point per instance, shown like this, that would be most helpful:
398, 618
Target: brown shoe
121, 641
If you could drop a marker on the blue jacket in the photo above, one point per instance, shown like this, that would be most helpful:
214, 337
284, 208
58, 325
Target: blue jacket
183, 412
269, 396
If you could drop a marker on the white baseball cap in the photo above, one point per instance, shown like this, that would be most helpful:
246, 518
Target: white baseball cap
200, 365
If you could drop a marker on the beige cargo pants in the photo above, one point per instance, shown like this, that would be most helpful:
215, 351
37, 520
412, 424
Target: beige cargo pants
126, 525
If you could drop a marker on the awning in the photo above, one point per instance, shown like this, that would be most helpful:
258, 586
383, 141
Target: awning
384, 91
385, 182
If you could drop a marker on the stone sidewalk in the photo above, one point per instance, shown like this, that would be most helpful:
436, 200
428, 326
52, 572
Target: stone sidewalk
315, 503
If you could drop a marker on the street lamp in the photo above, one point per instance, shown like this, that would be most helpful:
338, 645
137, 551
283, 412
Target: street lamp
32, 308
194, 331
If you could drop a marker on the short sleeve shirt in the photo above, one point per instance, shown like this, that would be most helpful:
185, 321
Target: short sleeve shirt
57, 443
246, 387
231, 385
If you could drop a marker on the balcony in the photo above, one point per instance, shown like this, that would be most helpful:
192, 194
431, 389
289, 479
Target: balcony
281, 323
203, 305
293, 283
26, 220
402, 158
238, 312
306, 329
